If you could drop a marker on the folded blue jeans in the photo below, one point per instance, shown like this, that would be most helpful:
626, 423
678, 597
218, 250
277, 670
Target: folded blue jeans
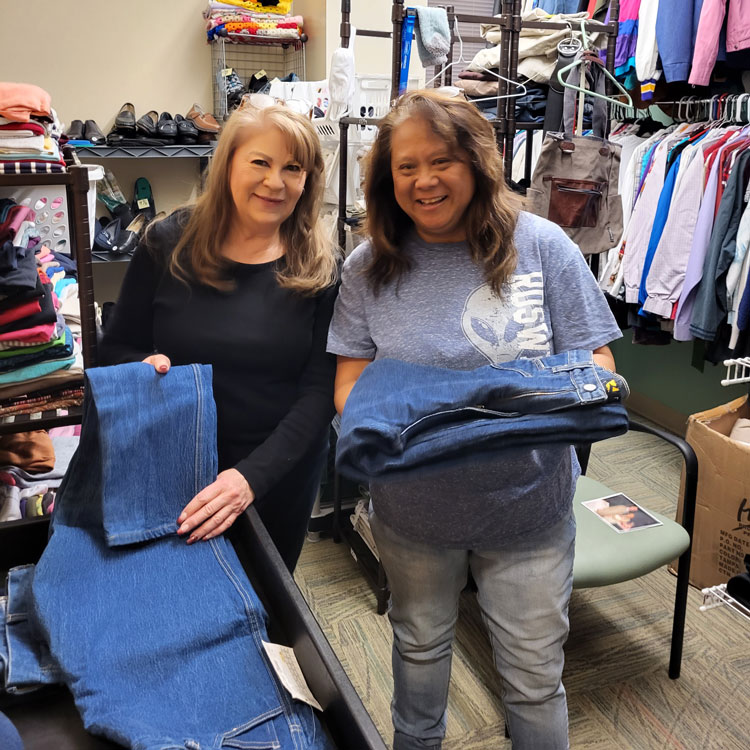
160, 642
25, 661
401, 416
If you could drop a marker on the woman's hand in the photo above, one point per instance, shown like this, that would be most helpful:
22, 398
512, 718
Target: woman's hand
160, 362
214, 509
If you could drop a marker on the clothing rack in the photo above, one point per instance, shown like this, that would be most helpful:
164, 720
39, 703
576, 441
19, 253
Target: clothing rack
511, 23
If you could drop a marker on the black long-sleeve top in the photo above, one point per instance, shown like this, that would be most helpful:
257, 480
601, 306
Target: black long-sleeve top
272, 377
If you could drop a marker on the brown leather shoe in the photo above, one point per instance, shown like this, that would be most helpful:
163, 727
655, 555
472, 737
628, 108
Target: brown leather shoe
203, 120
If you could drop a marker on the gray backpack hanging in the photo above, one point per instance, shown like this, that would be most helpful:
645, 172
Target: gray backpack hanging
575, 182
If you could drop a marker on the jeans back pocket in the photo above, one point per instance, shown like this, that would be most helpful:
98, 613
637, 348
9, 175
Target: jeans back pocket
574, 203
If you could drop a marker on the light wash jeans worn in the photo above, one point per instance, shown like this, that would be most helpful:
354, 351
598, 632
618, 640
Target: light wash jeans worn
159, 642
523, 592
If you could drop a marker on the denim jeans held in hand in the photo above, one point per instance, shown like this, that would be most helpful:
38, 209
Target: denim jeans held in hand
400, 415
523, 593
160, 642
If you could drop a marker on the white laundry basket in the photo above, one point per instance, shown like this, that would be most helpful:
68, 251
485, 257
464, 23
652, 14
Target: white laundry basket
96, 172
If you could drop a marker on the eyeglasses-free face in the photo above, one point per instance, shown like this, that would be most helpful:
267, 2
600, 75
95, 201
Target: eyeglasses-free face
266, 181
433, 183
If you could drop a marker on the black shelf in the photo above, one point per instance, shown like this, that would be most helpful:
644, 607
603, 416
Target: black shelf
24, 180
48, 419
144, 152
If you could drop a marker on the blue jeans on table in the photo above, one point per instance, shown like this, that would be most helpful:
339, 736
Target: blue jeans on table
523, 592
160, 642
25, 661
400, 416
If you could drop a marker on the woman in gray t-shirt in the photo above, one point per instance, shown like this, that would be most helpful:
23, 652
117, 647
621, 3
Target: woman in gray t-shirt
455, 276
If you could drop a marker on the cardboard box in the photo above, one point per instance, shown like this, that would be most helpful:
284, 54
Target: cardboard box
721, 537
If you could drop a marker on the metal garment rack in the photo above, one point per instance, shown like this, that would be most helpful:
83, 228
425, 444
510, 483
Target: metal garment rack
511, 23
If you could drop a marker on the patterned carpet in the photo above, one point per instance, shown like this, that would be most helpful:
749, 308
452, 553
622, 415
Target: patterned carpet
619, 694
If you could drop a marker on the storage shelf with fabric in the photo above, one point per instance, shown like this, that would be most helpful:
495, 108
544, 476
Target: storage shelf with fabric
23, 416
76, 184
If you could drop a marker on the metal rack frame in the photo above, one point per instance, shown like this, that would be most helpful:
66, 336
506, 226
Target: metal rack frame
76, 184
505, 125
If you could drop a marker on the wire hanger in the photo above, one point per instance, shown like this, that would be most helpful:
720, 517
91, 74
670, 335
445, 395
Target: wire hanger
585, 59
482, 69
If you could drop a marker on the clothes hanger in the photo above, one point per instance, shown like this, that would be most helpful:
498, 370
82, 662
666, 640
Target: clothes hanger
493, 73
590, 58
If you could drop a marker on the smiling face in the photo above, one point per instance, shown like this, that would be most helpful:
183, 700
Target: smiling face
265, 181
432, 181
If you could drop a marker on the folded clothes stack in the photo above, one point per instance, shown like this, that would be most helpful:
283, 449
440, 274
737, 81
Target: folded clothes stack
253, 22
29, 131
40, 361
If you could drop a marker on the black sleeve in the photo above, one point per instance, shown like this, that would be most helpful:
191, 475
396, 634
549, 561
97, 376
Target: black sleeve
128, 336
309, 417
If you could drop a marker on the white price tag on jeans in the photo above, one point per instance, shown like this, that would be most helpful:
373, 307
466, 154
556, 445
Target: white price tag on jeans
288, 671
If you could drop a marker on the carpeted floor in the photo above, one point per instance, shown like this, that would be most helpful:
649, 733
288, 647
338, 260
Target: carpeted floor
619, 694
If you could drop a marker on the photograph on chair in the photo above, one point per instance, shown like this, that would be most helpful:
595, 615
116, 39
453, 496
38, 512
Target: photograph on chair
621, 513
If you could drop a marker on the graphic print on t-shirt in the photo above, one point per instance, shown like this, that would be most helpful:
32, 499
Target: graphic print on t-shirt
511, 326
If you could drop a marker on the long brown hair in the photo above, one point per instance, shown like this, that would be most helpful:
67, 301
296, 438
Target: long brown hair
311, 258
490, 218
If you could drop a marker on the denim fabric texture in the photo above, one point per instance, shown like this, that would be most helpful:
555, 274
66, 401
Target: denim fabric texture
25, 661
523, 593
9, 737
401, 416
160, 642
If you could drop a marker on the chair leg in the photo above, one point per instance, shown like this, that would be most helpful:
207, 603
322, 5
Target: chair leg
680, 608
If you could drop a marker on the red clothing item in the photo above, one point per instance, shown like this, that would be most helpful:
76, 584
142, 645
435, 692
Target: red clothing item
22, 311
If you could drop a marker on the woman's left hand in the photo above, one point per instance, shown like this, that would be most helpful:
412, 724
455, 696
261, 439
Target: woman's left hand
214, 509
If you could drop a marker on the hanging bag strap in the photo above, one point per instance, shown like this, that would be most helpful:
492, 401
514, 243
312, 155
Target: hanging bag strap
599, 114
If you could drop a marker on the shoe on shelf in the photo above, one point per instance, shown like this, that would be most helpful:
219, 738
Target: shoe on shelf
204, 121
166, 127
206, 139
125, 118
127, 240
92, 133
147, 123
187, 133
143, 199
75, 131
106, 238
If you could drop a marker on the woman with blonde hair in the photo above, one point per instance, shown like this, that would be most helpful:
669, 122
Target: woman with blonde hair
455, 276
245, 280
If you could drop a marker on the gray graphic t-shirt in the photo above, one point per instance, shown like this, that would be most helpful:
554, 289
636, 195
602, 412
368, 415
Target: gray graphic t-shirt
443, 313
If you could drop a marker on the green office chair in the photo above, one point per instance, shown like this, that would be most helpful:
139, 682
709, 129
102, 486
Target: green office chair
604, 557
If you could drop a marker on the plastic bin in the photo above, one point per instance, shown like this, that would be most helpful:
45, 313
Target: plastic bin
96, 172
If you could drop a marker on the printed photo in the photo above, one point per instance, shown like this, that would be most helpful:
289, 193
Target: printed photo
621, 513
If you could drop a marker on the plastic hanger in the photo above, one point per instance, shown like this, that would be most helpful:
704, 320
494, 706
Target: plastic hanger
493, 73
582, 89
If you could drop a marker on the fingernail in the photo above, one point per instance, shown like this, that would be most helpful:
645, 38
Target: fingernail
181, 518
191, 540
183, 529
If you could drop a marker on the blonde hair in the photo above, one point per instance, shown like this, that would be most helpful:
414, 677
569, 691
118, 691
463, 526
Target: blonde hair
311, 258
490, 218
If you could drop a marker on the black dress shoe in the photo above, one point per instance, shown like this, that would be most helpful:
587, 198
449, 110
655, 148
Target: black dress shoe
125, 119
147, 123
166, 127
127, 240
106, 239
92, 133
75, 131
187, 133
